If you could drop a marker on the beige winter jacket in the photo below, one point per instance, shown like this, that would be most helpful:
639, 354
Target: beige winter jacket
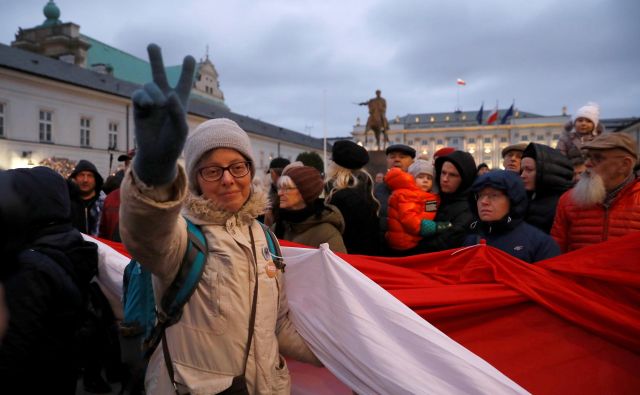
207, 345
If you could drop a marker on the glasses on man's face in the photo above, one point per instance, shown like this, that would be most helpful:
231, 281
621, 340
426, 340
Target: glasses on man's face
214, 173
491, 196
596, 157
286, 189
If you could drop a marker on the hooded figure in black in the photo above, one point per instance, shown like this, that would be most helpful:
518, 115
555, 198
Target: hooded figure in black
553, 176
85, 212
509, 233
448, 228
46, 268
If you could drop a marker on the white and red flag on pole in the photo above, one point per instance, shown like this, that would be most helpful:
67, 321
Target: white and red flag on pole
493, 117
460, 81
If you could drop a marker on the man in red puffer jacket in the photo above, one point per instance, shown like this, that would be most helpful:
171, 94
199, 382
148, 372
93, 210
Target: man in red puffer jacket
605, 203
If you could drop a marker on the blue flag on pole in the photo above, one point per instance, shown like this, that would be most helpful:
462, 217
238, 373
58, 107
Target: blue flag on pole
507, 115
480, 114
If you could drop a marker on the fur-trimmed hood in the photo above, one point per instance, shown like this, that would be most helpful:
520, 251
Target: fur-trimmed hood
202, 211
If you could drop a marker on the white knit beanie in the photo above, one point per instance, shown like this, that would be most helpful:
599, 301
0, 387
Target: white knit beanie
215, 133
591, 111
420, 166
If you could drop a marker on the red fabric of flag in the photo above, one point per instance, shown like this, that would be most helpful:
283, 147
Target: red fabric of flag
493, 117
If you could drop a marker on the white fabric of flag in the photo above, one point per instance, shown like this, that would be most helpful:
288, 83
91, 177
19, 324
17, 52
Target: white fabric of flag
371, 341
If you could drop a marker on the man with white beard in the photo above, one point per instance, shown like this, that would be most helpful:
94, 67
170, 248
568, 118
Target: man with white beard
605, 203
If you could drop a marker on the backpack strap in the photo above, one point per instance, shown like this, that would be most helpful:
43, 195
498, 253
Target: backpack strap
182, 287
274, 247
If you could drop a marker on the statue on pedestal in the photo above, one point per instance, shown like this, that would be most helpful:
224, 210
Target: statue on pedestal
377, 121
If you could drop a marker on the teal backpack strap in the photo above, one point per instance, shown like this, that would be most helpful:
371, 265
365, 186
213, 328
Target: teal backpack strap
182, 287
274, 247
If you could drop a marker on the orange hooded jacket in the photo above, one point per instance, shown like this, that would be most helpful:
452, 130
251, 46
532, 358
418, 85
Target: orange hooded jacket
408, 206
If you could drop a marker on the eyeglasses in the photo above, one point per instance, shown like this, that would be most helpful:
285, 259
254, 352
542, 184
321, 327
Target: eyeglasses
214, 173
492, 196
596, 158
286, 189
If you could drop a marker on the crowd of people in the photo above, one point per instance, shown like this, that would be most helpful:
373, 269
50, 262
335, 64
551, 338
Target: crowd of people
547, 201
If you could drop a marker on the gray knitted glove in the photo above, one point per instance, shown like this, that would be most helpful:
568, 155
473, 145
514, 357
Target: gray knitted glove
159, 114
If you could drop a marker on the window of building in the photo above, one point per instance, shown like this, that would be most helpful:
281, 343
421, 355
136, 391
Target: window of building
425, 142
113, 135
447, 118
85, 132
524, 138
410, 142
454, 141
487, 140
539, 137
556, 136
417, 119
45, 126
397, 139
464, 117
439, 142
1, 119
472, 140
503, 139
432, 119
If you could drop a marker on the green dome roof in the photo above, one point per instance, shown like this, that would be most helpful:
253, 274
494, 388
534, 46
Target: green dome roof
52, 12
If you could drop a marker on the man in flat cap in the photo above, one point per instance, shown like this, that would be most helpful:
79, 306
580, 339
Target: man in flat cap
512, 156
605, 203
398, 155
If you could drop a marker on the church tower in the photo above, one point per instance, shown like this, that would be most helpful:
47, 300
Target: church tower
54, 38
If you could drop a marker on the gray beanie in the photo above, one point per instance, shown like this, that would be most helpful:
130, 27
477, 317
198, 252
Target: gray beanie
215, 133
420, 166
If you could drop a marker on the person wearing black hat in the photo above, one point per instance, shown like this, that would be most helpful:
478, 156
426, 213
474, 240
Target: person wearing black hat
87, 197
46, 270
276, 166
350, 188
398, 155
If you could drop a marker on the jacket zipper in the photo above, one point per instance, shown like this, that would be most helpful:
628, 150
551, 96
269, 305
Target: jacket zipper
86, 220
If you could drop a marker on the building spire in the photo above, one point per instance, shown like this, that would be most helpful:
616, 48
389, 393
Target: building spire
52, 13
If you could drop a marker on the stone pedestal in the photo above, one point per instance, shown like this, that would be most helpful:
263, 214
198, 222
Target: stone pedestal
377, 163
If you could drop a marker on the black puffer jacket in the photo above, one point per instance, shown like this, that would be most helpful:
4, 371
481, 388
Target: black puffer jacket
46, 274
554, 176
454, 207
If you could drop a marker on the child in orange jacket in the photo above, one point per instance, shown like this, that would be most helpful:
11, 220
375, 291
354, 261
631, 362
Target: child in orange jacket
410, 203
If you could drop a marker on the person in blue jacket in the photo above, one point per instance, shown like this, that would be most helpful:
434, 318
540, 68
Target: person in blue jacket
499, 202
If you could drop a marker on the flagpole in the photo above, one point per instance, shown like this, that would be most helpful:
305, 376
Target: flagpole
324, 130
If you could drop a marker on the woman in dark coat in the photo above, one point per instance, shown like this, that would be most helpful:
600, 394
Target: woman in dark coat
350, 188
546, 174
499, 202
304, 217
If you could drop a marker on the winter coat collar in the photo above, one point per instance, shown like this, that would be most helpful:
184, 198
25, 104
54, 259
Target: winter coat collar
202, 211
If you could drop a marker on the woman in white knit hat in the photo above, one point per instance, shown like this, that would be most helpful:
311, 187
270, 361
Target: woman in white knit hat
210, 347
585, 126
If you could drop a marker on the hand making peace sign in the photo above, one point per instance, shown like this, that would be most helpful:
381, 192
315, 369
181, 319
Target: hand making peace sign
159, 114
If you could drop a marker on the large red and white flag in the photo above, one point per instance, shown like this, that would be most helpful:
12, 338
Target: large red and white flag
566, 325
460, 81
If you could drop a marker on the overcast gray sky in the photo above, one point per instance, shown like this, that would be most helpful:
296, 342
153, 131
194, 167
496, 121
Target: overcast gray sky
281, 60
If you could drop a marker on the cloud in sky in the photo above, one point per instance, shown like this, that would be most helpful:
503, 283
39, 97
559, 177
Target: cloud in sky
302, 64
